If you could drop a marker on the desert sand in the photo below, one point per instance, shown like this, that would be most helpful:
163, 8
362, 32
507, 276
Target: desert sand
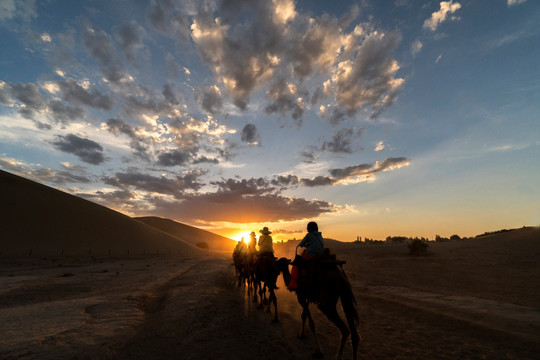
79, 281
470, 299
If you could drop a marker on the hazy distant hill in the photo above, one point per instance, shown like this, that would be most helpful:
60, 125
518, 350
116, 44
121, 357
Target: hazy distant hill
190, 233
44, 221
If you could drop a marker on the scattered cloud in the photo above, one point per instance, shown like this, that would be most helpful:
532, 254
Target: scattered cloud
380, 146
416, 46
342, 140
515, 2
445, 13
86, 150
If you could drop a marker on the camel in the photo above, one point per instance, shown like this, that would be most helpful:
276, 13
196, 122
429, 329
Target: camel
266, 274
330, 284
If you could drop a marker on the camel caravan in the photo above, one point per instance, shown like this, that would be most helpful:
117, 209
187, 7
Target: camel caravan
316, 277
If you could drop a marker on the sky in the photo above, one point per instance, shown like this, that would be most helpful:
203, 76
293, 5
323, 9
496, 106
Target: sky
372, 118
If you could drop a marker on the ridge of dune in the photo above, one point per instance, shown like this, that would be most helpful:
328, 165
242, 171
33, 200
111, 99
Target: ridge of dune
40, 220
188, 233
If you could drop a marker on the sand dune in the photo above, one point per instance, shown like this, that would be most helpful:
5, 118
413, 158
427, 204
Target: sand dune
190, 234
40, 220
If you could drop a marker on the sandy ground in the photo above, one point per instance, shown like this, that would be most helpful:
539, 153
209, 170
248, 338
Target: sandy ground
190, 308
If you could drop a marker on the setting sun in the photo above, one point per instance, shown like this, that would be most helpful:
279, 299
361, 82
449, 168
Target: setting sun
239, 236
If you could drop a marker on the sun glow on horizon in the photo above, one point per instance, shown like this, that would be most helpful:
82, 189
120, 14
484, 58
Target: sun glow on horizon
239, 236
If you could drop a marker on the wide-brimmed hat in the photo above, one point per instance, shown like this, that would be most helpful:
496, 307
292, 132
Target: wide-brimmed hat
265, 231
252, 233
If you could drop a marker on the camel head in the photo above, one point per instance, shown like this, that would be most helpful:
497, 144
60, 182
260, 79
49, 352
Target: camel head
283, 265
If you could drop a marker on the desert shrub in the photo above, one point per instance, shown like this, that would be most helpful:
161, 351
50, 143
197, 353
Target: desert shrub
417, 247
202, 245
438, 238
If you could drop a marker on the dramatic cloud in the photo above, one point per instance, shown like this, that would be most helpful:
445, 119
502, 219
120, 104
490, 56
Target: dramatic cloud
445, 13
86, 150
241, 209
269, 45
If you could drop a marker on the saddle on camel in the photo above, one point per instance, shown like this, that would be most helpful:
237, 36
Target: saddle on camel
311, 272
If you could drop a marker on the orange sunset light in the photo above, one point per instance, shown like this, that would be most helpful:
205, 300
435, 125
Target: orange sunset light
239, 236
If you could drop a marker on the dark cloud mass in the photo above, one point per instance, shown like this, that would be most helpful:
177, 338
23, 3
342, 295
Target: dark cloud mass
86, 150
174, 158
265, 208
250, 134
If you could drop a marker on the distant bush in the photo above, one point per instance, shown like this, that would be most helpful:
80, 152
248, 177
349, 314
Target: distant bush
202, 245
455, 237
438, 238
417, 247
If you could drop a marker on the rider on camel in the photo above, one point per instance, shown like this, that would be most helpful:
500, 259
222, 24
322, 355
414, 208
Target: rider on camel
314, 244
266, 246
252, 245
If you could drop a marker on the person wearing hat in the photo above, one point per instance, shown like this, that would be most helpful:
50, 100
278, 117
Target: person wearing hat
265, 242
252, 245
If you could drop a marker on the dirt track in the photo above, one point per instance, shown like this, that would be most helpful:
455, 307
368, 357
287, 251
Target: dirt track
202, 315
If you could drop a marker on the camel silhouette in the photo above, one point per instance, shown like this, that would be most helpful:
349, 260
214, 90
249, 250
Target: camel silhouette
324, 282
267, 270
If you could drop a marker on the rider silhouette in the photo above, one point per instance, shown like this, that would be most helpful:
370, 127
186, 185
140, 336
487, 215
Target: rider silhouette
314, 244
266, 246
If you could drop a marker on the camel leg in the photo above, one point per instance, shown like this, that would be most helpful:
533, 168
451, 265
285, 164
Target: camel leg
307, 314
332, 315
355, 338
273, 299
262, 296
255, 290
302, 333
